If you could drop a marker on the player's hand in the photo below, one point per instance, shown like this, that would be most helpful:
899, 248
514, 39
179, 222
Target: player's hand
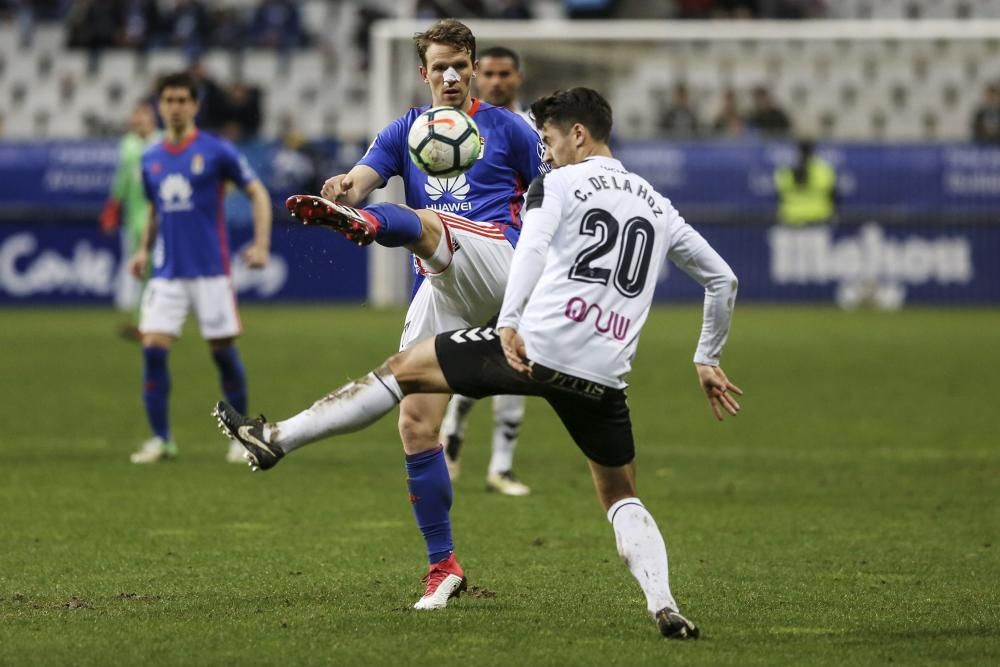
337, 187
718, 390
256, 256
137, 264
110, 216
513, 349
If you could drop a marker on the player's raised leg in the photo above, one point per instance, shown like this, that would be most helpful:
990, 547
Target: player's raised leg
641, 546
391, 225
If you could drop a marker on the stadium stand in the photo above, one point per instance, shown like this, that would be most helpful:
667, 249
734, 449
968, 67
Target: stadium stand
898, 90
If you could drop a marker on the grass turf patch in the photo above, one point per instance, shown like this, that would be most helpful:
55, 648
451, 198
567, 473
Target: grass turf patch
848, 516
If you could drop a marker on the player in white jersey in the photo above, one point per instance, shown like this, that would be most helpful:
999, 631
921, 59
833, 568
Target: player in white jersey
580, 289
499, 83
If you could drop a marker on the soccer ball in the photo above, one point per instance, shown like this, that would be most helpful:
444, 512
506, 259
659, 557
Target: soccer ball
443, 142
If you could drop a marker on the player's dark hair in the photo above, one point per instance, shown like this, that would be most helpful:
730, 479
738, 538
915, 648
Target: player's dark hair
501, 52
564, 108
448, 32
178, 80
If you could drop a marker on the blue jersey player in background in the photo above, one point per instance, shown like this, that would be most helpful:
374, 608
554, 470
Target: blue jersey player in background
185, 176
461, 231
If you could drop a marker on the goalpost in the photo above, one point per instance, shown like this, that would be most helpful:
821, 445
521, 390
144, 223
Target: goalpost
813, 66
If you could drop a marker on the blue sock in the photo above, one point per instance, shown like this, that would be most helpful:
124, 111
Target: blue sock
156, 389
398, 225
232, 377
430, 495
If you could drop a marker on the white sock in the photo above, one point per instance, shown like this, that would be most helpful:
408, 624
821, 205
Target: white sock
641, 547
508, 413
457, 417
350, 408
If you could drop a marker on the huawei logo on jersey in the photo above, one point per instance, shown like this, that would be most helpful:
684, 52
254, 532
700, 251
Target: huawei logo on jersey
457, 187
175, 193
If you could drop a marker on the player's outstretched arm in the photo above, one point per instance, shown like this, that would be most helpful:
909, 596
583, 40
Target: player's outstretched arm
718, 390
353, 187
259, 252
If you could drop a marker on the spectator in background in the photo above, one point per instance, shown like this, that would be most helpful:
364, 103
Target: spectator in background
679, 120
433, 10
140, 19
729, 121
695, 9
986, 120
590, 9
229, 30
241, 115
513, 9
766, 117
188, 27
277, 24
211, 98
736, 9
93, 24
807, 191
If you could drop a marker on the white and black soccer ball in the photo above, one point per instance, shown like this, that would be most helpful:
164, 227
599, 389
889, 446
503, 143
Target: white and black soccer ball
443, 142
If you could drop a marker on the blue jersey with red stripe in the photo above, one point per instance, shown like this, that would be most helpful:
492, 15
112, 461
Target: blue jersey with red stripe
491, 191
186, 184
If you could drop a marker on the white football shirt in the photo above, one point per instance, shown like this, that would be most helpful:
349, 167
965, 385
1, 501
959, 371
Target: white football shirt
595, 236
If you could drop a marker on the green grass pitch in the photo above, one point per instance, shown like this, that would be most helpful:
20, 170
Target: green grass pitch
850, 515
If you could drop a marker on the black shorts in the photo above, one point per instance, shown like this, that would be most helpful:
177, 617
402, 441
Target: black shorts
595, 415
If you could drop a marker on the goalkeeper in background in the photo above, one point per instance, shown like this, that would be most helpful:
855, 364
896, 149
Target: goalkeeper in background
127, 208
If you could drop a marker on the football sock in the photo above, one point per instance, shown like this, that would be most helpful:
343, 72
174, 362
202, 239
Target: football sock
398, 225
350, 408
508, 412
430, 496
641, 547
457, 416
156, 389
232, 377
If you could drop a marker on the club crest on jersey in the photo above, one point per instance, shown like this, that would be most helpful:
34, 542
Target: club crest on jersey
482, 147
197, 164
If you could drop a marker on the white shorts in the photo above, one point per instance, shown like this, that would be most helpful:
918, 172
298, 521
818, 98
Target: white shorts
166, 302
469, 291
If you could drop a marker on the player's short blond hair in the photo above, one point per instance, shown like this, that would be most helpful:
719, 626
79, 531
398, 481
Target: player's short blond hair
449, 32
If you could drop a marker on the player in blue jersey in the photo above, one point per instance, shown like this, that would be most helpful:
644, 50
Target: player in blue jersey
462, 231
184, 177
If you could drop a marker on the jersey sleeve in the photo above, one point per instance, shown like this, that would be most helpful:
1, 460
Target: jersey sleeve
235, 166
541, 220
527, 150
387, 154
692, 254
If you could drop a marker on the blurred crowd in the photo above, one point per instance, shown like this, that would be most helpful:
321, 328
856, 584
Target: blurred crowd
678, 118
192, 25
